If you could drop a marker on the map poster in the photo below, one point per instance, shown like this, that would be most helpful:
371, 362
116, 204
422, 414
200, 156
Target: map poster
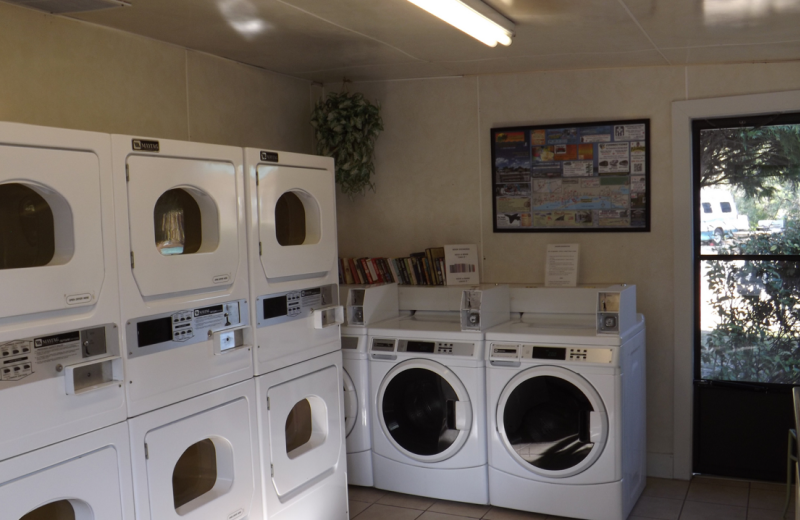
573, 177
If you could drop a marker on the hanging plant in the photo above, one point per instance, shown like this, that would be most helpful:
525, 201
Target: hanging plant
346, 128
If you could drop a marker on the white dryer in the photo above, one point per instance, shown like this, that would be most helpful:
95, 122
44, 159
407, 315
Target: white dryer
427, 398
183, 269
199, 458
363, 305
293, 264
87, 477
61, 373
566, 418
300, 414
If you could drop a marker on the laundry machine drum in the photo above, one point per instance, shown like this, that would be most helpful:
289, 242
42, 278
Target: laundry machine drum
59, 510
350, 403
425, 411
27, 237
553, 424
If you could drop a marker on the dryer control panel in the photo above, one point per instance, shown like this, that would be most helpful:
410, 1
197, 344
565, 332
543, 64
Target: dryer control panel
502, 353
33, 359
272, 309
166, 331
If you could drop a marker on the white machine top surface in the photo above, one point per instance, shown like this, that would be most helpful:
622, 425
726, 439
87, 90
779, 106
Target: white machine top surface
431, 325
559, 331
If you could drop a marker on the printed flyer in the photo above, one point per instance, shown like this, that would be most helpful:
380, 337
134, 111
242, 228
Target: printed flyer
575, 177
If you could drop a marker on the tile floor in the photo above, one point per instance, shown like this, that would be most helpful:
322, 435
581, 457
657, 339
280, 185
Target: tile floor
703, 499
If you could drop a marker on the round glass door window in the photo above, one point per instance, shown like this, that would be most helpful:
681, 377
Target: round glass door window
547, 423
419, 411
27, 231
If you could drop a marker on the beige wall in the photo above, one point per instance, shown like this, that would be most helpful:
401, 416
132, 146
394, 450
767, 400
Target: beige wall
64, 73
433, 185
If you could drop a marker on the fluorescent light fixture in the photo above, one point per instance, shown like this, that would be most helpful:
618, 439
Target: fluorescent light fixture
476, 19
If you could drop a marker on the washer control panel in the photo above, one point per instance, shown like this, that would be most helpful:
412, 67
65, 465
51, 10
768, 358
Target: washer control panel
162, 332
36, 358
272, 309
444, 348
505, 352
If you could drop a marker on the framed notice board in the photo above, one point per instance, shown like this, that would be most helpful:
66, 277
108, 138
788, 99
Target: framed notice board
577, 177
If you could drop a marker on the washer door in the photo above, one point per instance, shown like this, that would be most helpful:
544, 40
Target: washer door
424, 410
552, 421
296, 221
350, 403
202, 466
51, 236
184, 224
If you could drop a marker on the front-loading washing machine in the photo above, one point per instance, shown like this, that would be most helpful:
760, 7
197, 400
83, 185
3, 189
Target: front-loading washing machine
427, 400
199, 458
363, 304
566, 417
301, 423
182, 249
61, 374
86, 477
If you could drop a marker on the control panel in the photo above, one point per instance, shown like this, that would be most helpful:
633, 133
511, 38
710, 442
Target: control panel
505, 352
273, 309
162, 332
28, 360
445, 348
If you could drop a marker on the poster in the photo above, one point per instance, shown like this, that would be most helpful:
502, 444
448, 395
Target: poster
576, 177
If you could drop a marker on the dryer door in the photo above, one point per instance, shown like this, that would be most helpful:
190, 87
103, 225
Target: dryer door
424, 410
296, 221
305, 430
350, 403
552, 421
51, 241
84, 487
184, 224
201, 467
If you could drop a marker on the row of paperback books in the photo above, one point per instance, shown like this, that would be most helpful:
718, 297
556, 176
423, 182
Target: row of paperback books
426, 268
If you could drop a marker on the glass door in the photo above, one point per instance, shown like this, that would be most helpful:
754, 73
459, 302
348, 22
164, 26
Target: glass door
747, 275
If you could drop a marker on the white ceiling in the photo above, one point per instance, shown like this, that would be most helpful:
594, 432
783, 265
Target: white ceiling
327, 40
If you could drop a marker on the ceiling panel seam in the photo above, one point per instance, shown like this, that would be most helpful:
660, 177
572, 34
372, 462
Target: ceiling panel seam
624, 6
318, 17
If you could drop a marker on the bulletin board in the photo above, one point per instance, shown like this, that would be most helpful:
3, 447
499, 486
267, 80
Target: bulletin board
584, 177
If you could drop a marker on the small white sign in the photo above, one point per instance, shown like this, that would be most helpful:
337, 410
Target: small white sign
461, 264
562, 265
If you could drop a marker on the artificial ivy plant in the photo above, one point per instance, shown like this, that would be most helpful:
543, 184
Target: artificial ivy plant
346, 128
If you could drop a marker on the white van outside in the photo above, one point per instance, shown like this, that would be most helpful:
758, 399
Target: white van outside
719, 217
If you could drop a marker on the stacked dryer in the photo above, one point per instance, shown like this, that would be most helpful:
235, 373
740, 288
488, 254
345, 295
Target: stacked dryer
183, 277
64, 450
363, 305
566, 393
427, 393
296, 314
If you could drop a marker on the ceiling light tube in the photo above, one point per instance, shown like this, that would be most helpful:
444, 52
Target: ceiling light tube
490, 31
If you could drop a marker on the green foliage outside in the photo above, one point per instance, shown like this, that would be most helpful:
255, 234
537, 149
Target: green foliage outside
756, 302
346, 127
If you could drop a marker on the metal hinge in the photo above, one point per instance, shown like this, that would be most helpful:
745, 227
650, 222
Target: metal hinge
267, 403
259, 249
127, 173
132, 263
256, 178
146, 452
271, 470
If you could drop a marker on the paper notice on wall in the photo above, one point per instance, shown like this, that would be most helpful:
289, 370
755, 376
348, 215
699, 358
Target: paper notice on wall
461, 264
562, 265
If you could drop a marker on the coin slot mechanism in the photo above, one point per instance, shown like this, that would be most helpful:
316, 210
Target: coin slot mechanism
93, 375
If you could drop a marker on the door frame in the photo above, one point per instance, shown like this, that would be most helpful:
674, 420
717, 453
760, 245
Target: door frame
683, 112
